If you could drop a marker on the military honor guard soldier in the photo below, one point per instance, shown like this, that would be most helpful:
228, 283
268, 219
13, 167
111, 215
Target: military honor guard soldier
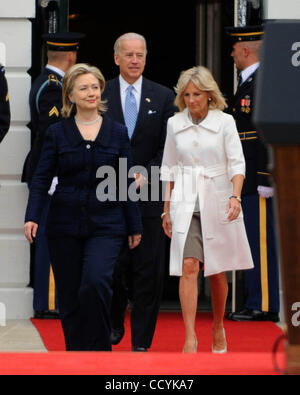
45, 106
4, 105
261, 283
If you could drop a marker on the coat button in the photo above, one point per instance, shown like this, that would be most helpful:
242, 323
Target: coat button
88, 146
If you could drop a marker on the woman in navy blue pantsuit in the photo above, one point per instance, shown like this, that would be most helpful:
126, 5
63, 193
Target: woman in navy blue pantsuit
85, 232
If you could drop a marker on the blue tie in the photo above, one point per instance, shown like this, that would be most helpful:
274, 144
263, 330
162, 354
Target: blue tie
130, 111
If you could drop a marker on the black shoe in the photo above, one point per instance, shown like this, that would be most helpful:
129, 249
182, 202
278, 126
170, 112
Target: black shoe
253, 315
139, 349
46, 315
116, 335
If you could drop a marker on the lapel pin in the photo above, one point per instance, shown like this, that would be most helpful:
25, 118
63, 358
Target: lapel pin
148, 100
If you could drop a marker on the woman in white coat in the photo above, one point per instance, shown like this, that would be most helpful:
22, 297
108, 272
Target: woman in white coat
204, 170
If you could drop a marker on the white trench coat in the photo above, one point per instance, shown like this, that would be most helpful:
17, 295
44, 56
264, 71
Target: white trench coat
202, 160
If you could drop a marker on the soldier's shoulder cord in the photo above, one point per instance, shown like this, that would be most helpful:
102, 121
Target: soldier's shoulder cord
52, 79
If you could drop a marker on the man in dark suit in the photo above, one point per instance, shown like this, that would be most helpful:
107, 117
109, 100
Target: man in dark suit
4, 105
262, 282
45, 105
144, 107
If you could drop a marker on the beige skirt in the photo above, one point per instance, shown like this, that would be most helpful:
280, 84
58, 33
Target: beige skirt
194, 242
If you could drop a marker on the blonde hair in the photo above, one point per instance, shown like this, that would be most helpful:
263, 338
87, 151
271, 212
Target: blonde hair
203, 79
129, 36
69, 82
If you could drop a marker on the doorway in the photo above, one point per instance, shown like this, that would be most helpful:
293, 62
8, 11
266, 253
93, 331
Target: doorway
169, 31
172, 35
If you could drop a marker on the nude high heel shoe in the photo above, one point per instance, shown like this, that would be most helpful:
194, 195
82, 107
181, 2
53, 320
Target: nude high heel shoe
224, 350
191, 352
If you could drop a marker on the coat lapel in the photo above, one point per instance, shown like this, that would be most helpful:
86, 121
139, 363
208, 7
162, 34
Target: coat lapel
212, 122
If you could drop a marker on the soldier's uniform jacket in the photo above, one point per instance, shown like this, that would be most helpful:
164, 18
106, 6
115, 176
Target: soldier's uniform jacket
45, 105
4, 105
255, 151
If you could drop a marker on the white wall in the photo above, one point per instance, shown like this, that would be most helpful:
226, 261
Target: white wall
15, 53
282, 9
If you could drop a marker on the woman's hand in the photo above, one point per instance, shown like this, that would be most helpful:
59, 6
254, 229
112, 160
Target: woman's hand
30, 230
233, 209
134, 241
167, 225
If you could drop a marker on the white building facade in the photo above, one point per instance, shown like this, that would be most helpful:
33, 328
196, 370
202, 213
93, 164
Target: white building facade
15, 54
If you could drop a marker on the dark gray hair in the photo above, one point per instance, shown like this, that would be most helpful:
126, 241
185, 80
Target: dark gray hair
129, 36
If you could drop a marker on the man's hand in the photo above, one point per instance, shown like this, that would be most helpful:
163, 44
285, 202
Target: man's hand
139, 180
134, 241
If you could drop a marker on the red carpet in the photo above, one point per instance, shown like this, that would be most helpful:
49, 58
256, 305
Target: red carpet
258, 337
136, 364
250, 352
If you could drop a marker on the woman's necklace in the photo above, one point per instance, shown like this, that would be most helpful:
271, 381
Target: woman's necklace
88, 123
197, 121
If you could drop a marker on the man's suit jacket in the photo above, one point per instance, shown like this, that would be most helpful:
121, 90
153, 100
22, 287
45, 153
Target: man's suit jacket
148, 140
255, 151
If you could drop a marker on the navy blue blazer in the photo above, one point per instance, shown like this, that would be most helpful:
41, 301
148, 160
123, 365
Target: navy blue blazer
75, 209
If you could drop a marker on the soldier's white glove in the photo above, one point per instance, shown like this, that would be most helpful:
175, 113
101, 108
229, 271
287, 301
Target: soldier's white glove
53, 186
265, 192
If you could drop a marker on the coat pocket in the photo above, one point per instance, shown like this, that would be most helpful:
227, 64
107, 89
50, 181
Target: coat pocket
173, 205
182, 217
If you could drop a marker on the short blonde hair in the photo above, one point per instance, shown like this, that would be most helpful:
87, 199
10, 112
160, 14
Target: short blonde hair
203, 79
69, 82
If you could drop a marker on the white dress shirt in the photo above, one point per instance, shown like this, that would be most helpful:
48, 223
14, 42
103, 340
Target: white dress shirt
56, 70
137, 91
245, 74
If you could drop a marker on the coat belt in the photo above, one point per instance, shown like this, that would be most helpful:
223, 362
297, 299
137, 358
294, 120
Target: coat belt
192, 182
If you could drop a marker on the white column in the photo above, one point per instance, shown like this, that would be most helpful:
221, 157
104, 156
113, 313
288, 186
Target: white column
15, 53
279, 9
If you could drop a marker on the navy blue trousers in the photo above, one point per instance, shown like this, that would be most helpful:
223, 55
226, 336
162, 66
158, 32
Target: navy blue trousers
262, 282
83, 270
